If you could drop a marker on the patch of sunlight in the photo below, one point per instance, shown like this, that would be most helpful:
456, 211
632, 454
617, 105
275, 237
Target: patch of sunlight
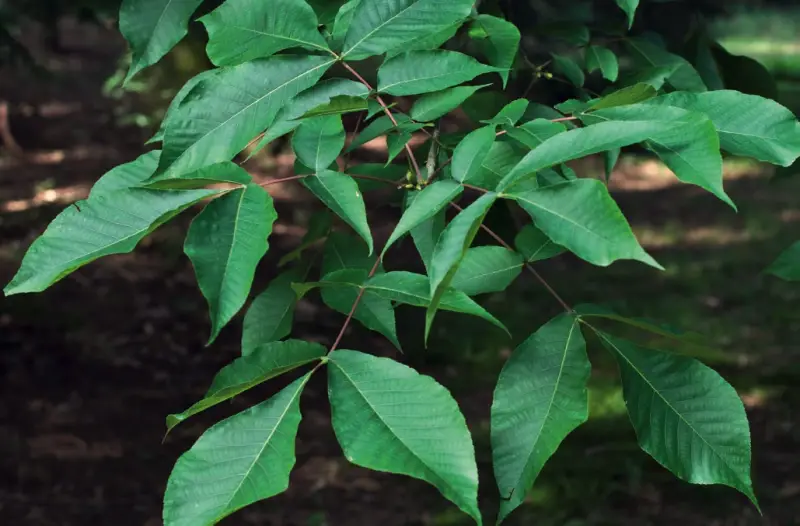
46, 196
605, 400
758, 396
712, 235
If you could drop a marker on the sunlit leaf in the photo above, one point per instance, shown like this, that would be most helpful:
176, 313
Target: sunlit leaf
630, 95
510, 114
377, 406
629, 6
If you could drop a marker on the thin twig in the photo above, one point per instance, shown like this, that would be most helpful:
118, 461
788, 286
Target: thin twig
6, 137
528, 266
355, 132
355, 306
476, 188
389, 114
284, 180
562, 119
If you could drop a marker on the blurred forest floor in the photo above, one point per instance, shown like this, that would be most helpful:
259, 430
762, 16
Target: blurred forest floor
90, 368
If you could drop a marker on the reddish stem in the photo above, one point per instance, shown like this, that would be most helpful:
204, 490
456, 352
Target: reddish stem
355, 306
388, 114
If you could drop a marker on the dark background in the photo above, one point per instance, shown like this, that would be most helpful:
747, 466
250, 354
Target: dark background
90, 368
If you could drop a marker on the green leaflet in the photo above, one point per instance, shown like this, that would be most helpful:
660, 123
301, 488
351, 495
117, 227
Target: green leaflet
263, 363
581, 142
388, 26
227, 172
109, 223
326, 10
683, 76
425, 236
602, 58
382, 126
224, 112
341, 194
451, 248
471, 152
270, 316
686, 416
690, 149
535, 132
339, 106
345, 252
510, 114
581, 216
177, 100
127, 175
425, 71
317, 97
152, 28
487, 269
597, 311
431, 106
540, 398
500, 160
239, 461
498, 40
787, 266
569, 68
242, 30
629, 6
377, 405
423, 206
225, 243
748, 125
373, 312
534, 244
395, 143
318, 141
630, 95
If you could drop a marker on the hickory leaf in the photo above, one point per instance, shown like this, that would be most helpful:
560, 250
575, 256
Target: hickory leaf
341, 194
426, 71
377, 405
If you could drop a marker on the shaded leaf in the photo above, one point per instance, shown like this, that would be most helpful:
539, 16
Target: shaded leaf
387, 26
787, 266
569, 68
451, 248
498, 40
434, 105
224, 112
487, 269
239, 461
535, 132
425, 236
318, 141
263, 363
630, 95
686, 416
510, 114
540, 398
270, 316
602, 58
377, 405
345, 252
152, 28
341, 194
423, 206
470, 153
648, 54
534, 244
225, 242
